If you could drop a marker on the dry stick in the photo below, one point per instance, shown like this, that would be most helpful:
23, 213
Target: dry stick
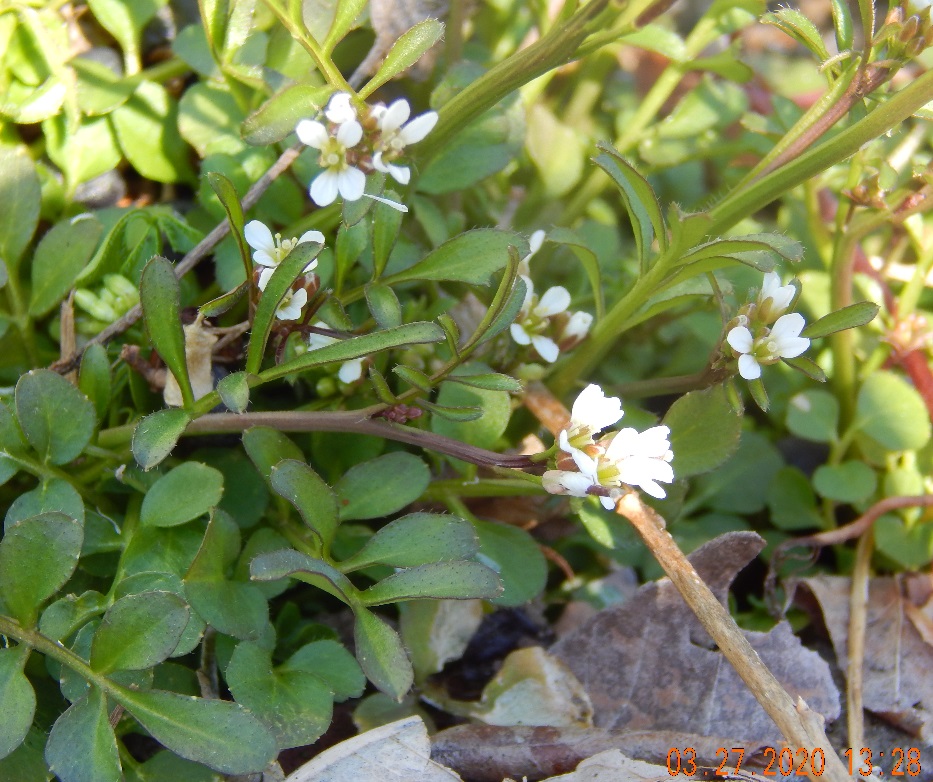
189, 261
801, 726
858, 619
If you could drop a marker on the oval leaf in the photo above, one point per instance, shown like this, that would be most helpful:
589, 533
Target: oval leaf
155, 436
381, 655
159, 297
438, 580
57, 419
314, 499
182, 494
704, 431
381, 486
850, 317
17, 697
408, 49
21, 197
416, 539
892, 412
82, 746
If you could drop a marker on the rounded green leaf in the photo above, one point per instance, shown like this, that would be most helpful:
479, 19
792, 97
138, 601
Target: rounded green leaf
21, 196
219, 734
847, 482
155, 436
17, 697
482, 432
381, 655
381, 486
209, 119
53, 494
267, 447
277, 117
160, 581
306, 490
440, 580
513, 554
704, 431
813, 415
330, 661
383, 303
159, 298
57, 419
61, 255
37, 556
94, 377
139, 631
792, 501
295, 705
182, 494
892, 412
910, 545
234, 392
416, 539
82, 746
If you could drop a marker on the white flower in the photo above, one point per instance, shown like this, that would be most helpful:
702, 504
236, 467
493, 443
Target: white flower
577, 328
338, 176
533, 319
350, 371
535, 241
774, 298
576, 484
592, 411
396, 133
340, 108
783, 340
290, 307
271, 251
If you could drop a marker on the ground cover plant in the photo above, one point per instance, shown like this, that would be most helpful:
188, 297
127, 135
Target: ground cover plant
366, 365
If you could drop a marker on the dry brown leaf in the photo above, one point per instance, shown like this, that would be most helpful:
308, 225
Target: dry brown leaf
488, 753
398, 752
649, 665
898, 670
612, 765
199, 345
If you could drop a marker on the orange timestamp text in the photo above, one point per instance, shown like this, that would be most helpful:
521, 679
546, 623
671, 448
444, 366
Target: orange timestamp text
799, 762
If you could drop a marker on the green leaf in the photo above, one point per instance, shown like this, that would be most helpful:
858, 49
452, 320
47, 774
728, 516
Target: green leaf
496, 407
406, 51
792, 502
82, 746
381, 654
345, 16
225, 302
138, 631
656, 38
219, 734
17, 697
94, 379
588, 260
37, 556
514, 555
813, 415
57, 419
160, 300
287, 562
99, 90
81, 153
182, 494
509, 311
209, 119
417, 333
147, 128
910, 545
230, 200
850, 317
849, 482
414, 377
125, 22
472, 257
52, 494
892, 412
489, 381
456, 415
807, 366
162, 583
234, 391
558, 173
381, 486
416, 539
704, 431
61, 255
314, 499
26, 764
279, 115
387, 221
21, 196
800, 28
439, 580
156, 435
267, 447
640, 201
331, 662
384, 305
295, 705
278, 285
842, 22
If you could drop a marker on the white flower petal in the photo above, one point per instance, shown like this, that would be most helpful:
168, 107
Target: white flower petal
264, 259
575, 484
292, 304
595, 411
519, 334
264, 276
400, 174
536, 241
312, 133
351, 182
388, 202
340, 108
350, 133
740, 339
324, 188
529, 296
378, 164
585, 463
311, 236
788, 327
749, 368
351, 371
394, 116
418, 128
258, 236
546, 348
554, 301
609, 503
578, 326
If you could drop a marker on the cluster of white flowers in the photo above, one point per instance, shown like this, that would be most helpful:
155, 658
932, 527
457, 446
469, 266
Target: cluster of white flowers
545, 323
755, 341
616, 460
270, 251
350, 147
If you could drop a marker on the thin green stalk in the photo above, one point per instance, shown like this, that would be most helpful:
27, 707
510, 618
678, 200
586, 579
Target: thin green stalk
438, 491
21, 318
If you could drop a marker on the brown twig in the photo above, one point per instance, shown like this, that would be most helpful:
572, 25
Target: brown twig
189, 261
800, 725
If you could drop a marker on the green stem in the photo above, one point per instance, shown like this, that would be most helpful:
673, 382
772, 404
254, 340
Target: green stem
439, 491
21, 318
